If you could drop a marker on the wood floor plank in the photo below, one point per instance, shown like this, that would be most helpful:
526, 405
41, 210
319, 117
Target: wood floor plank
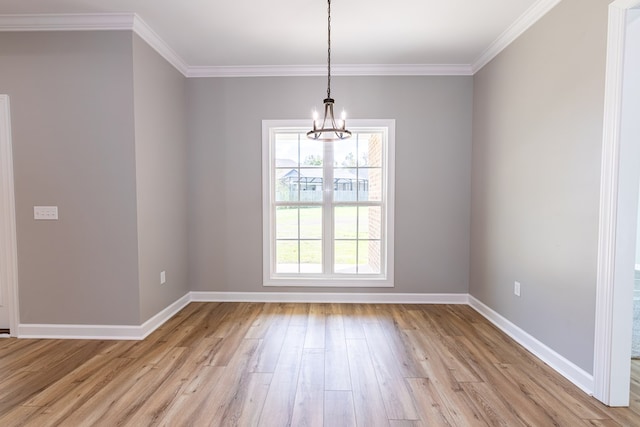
338, 409
433, 410
19, 416
367, 399
206, 401
235, 333
247, 410
97, 369
408, 359
232, 388
309, 401
336, 371
352, 322
271, 347
62, 405
315, 337
298, 364
573, 400
546, 409
262, 321
395, 394
194, 401
278, 406
493, 407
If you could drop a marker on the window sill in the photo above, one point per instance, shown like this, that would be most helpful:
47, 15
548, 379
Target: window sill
338, 282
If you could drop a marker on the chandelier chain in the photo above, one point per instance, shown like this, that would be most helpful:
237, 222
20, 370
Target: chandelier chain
329, 49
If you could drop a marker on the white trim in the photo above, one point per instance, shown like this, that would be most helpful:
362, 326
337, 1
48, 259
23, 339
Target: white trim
159, 319
608, 205
131, 21
564, 367
84, 332
67, 22
8, 246
134, 332
336, 70
515, 30
611, 377
103, 332
328, 297
386, 277
146, 33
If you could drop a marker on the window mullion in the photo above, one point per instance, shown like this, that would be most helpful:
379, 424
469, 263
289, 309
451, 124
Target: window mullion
327, 198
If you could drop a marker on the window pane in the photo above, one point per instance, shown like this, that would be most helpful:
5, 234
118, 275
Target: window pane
370, 150
286, 222
286, 256
369, 222
287, 185
345, 184
286, 150
345, 256
311, 222
310, 184
370, 184
345, 153
311, 152
310, 256
345, 222
369, 257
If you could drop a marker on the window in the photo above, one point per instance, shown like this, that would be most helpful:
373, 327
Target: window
328, 206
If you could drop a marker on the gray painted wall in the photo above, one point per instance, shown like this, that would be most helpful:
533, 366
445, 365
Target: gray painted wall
433, 155
537, 136
73, 146
161, 178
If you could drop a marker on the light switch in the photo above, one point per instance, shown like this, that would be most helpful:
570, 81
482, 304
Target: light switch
45, 212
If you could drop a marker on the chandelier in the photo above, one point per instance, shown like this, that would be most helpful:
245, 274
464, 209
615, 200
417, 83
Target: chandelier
329, 129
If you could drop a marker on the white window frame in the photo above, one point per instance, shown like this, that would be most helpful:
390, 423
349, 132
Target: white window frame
270, 277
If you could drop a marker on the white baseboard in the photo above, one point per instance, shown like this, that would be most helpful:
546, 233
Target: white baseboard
79, 332
102, 332
564, 367
330, 297
159, 319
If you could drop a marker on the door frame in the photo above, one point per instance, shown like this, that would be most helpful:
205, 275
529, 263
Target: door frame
8, 243
614, 291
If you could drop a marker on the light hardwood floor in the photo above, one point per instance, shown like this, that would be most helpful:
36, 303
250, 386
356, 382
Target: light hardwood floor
335, 365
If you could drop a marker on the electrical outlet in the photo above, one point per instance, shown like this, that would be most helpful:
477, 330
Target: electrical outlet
516, 288
163, 277
45, 212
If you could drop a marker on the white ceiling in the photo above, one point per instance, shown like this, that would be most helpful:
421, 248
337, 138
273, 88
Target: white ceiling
249, 33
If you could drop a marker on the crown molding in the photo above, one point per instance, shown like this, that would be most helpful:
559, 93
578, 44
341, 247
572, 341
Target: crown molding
68, 22
132, 22
515, 30
336, 70
94, 22
146, 33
